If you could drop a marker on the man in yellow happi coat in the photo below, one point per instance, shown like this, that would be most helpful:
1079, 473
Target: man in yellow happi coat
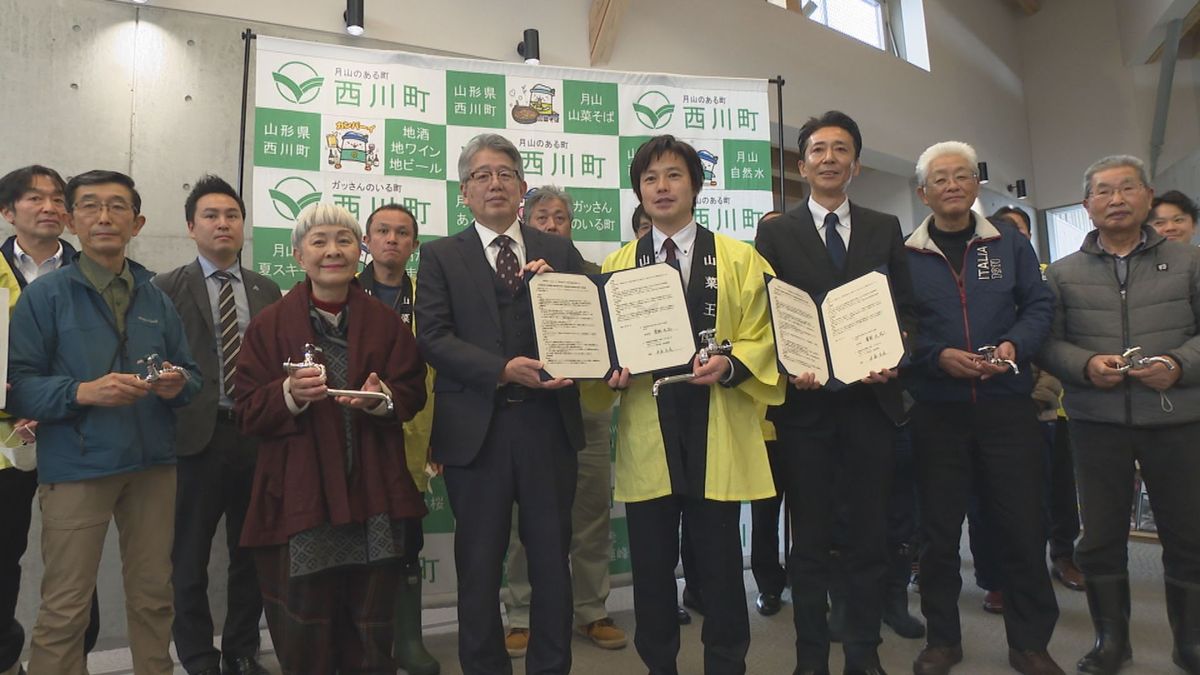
698, 448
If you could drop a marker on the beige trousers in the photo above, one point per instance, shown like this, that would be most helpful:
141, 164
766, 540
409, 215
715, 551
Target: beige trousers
75, 519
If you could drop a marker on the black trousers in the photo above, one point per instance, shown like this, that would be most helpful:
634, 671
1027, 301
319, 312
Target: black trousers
214, 483
1169, 458
687, 558
854, 437
999, 442
1062, 501
769, 575
17, 489
715, 537
902, 498
1061, 509
526, 459
16, 508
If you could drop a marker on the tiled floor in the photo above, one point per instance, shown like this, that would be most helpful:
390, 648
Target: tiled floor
771, 647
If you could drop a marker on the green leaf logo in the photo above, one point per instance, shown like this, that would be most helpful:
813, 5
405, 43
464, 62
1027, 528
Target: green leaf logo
291, 195
297, 82
654, 109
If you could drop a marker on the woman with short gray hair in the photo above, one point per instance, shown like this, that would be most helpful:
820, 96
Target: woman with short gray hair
334, 510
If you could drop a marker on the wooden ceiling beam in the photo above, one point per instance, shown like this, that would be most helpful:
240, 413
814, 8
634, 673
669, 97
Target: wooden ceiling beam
1188, 35
604, 19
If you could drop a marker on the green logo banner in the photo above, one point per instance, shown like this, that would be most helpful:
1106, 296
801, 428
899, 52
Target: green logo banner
361, 128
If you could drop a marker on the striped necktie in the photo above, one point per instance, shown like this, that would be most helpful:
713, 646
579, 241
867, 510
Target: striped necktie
230, 340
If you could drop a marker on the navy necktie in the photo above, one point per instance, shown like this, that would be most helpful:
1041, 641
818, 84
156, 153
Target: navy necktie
833, 242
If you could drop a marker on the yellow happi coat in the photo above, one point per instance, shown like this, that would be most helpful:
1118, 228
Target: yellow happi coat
8, 280
419, 429
736, 467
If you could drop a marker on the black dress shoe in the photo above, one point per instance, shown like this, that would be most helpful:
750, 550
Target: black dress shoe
693, 600
215, 670
768, 604
823, 671
243, 665
682, 615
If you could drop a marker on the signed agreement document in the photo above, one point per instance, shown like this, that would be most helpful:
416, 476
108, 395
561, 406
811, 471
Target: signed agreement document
853, 331
587, 325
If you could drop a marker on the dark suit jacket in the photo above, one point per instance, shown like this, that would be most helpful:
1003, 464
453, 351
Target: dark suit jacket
186, 288
794, 248
459, 334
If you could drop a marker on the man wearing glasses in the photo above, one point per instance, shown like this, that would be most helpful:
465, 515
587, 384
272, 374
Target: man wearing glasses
1127, 287
977, 284
106, 437
503, 434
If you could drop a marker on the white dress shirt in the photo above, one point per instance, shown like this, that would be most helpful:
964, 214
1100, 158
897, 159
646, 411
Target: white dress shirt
685, 243
843, 213
491, 249
29, 268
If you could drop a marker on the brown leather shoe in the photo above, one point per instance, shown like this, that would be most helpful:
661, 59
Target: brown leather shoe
604, 634
516, 642
1067, 573
937, 660
1033, 662
993, 602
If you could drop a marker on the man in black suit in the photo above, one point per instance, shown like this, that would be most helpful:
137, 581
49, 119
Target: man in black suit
818, 246
216, 298
503, 434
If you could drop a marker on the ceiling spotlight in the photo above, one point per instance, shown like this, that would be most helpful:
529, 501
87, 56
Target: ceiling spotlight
354, 17
140, 2
983, 177
809, 8
1018, 187
529, 48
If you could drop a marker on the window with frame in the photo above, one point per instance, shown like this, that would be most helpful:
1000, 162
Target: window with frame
1066, 226
893, 26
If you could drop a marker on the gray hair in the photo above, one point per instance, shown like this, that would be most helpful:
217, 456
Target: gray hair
323, 214
546, 193
942, 149
1113, 162
493, 142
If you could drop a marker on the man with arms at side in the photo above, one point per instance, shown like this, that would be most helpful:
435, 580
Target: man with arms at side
548, 208
216, 298
31, 200
391, 238
973, 419
1062, 498
106, 437
769, 575
822, 244
696, 450
1127, 287
503, 434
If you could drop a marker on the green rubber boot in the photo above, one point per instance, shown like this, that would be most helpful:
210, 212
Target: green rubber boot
408, 649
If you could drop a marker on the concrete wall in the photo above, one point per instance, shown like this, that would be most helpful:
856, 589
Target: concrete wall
155, 90
1084, 102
